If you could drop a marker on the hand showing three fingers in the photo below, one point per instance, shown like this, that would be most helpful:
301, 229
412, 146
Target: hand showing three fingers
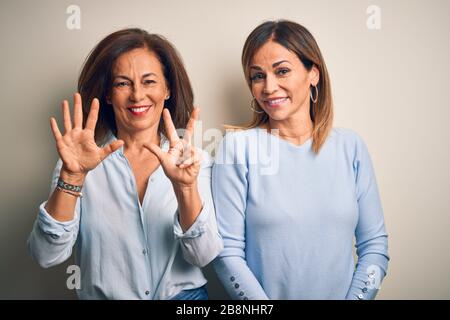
77, 148
181, 163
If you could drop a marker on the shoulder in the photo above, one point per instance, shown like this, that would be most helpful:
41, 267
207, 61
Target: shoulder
241, 134
348, 138
351, 143
236, 144
345, 134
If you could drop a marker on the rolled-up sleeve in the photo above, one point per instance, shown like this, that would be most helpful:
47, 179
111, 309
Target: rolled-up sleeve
201, 243
50, 242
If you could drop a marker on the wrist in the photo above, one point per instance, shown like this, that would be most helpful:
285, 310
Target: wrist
181, 188
76, 179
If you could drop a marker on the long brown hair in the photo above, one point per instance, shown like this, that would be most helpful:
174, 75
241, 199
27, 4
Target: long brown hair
299, 40
95, 80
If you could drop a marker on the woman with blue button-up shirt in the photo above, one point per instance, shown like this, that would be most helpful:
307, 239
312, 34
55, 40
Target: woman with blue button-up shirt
138, 208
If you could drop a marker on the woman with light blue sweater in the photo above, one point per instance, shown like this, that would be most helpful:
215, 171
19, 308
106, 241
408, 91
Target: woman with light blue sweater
291, 192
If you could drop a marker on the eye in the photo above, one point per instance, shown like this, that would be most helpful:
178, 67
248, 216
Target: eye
283, 71
121, 84
149, 81
257, 76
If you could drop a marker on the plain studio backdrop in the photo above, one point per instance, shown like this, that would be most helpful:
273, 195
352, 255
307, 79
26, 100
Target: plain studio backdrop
389, 66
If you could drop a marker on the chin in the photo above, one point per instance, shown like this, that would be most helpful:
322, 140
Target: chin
140, 126
277, 115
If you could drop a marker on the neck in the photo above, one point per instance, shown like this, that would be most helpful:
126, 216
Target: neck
296, 129
134, 141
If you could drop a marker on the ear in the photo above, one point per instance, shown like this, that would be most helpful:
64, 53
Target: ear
314, 75
167, 94
108, 99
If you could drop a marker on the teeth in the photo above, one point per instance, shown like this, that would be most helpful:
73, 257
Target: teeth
141, 109
276, 101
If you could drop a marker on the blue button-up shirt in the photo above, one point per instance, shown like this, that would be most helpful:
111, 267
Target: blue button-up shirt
126, 250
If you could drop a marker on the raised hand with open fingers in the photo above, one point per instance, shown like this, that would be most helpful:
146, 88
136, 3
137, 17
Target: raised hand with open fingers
181, 163
77, 148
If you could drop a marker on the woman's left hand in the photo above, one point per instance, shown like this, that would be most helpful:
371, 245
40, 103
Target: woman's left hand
181, 163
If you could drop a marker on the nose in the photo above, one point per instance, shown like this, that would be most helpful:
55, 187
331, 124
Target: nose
137, 93
270, 85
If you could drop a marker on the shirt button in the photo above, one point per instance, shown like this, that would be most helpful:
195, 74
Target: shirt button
236, 285
144, 251
364, 290
147, 293
360, 297
241, 293
245, 298
367, 283
232, 279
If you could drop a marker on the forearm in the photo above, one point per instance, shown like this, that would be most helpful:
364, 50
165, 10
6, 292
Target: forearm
237, 279
189, 204
367, 278
370, 270
61, 205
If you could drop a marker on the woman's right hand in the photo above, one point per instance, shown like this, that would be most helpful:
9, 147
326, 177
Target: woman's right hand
77, 148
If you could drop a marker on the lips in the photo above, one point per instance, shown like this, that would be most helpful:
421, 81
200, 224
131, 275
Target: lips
275, 102
138, 110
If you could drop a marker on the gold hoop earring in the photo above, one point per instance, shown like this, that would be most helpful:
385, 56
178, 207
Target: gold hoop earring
317, 94
252, 107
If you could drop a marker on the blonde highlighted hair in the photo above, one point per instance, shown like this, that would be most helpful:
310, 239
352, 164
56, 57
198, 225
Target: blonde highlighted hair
299, 40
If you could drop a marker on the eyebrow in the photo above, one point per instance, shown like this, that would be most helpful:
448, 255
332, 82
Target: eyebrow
143, 76
276, 64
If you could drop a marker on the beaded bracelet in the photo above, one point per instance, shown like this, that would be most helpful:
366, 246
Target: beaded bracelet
72, 193
67, 186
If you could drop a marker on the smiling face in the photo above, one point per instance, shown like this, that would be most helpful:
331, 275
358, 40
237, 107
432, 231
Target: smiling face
280, 82
138, 91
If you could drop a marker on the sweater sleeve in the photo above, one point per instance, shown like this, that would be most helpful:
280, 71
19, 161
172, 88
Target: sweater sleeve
201, 243
230, 196
50, 242
370, 233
